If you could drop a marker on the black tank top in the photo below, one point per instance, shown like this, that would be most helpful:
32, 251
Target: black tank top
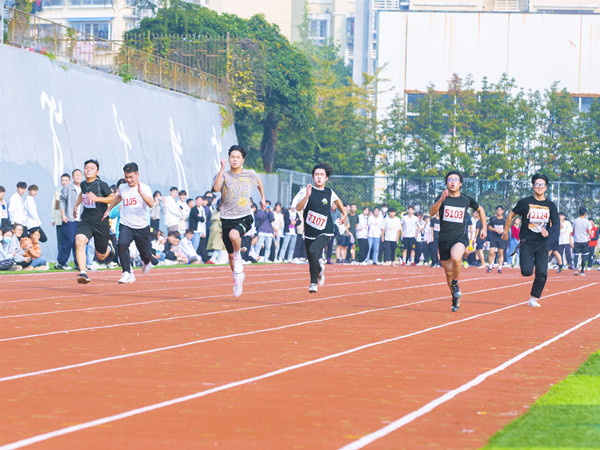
317, 214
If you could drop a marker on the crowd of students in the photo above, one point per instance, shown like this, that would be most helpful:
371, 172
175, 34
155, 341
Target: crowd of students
378, 235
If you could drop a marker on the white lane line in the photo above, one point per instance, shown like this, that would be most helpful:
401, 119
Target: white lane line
247, 333
372, 437
219, 296
155, 406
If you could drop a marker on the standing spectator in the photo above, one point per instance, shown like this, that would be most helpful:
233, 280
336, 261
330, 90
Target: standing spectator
16, 205
335, 215
4, 222
593, 243
581, 235
391, 235
215, 238
286, 253
56, 219
343, 238
565, 240
410, 228
264, 226
515, 231
420, 246
479, 242
362, 235
31, 246
32, 218
431, 237
197, 222
375, 227
185, 212
172, 212
70, 223
352, 221
155, 211
278, 227
495, 229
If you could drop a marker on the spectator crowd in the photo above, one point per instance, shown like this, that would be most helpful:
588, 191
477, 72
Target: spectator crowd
187, 230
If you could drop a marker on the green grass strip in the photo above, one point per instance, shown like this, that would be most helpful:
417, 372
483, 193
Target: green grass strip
566, 417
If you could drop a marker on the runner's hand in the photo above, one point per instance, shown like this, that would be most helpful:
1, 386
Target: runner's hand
223, 163
308, 189
483, 234
92, 197
505, 236
444, 195
74, 213
106, 213
544, 232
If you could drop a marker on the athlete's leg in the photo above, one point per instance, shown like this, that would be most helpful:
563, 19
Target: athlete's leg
453, 265
81, 241
125, 239
541, 268
236, 242
142, 239
491, 256
314, 250
500, 257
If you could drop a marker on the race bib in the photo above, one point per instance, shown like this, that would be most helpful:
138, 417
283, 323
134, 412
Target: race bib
87, 203
436, 227
499, 228
132, 202
538, 216
454, 214
316, 220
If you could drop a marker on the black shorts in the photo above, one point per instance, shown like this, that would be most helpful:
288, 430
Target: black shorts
445, 247
343, 241
409, 243
581, 248
479, 243
496, 240
242, 225
553, 246
99, 230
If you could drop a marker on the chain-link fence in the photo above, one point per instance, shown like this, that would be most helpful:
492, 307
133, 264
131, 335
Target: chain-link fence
421, 192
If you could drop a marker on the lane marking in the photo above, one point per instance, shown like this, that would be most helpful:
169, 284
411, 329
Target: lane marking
229, 336
104, 420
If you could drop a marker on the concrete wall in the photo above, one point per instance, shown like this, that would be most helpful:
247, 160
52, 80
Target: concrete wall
54, 116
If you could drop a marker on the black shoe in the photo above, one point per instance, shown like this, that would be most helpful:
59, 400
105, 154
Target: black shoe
82, 278
111, 253
456, 295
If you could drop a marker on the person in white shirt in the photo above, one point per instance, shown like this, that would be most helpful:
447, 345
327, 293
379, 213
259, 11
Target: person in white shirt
172, 212
4, 222
565, 240
362, 235
186, 246
375, 226
56, 220
32, 218
182, 203
134, 224
410, 228
16, 205
391, 235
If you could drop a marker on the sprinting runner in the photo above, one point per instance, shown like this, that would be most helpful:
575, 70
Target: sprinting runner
236, 186
452, 206
316, 202
539, 218
495, 228
96, 196
134, 222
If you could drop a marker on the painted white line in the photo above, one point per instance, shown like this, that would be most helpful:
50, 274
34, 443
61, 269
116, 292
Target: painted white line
155, 406
372, 437
216, 338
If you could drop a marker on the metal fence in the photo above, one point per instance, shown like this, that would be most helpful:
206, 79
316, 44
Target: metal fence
421, 192
67, 44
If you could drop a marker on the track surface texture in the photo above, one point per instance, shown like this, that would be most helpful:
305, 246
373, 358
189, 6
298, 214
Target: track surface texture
375, 359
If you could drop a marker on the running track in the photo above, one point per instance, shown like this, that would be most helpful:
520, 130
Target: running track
374, 359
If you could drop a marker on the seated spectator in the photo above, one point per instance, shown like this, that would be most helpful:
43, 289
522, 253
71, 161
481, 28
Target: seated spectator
7, 256
187, 247
31, 249
4, 222
32, 218
12, 247
172, 251
158, 244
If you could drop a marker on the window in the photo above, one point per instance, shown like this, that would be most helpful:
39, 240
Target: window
318, 29
46, 3
97, 29
91, 2
350, 33
584, 104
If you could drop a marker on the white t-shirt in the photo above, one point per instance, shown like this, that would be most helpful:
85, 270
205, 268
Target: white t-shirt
565, 233
362, 227
409, 226
392, 226
134, 210
375, 226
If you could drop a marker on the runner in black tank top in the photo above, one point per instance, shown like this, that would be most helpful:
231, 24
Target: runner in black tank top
316, 201
452, 206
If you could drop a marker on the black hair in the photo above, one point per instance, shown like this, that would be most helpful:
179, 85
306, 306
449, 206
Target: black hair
156, 192
2, 189
22, 185
538, 176
33, 187
66, 175
326, 167
582, 211
182, 192
174, 234
130, 167
199, 196
238, 148
120, 182
454, 172
189, 230
501, 207
562, 214
93, 161
173, 188
410, 207
391, 210
75, 170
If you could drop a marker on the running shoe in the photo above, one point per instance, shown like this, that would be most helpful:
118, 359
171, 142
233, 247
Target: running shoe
146, 267
575, 273
127, 278
313, 288
560, 269
322, 274
499, 270
62, 267
465, 264
533, 303
456, 295
489, 269
111, 252
582, 273
82, 278
238, 283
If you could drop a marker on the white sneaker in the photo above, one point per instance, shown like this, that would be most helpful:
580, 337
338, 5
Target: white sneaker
533, 303
127, 278
238, 283
322, 273
146, 267
238, 264
313, 288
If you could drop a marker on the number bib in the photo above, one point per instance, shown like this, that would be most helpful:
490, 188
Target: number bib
132, 202
538, 216
316, 220
454, 214
87, 203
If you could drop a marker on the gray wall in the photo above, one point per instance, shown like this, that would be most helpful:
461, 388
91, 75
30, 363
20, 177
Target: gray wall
54, 116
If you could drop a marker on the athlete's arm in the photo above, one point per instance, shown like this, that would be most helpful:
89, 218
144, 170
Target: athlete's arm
481, 212
507, 224
302, 203
147, 198
218, 183
77, 203
114, 203
437, 205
